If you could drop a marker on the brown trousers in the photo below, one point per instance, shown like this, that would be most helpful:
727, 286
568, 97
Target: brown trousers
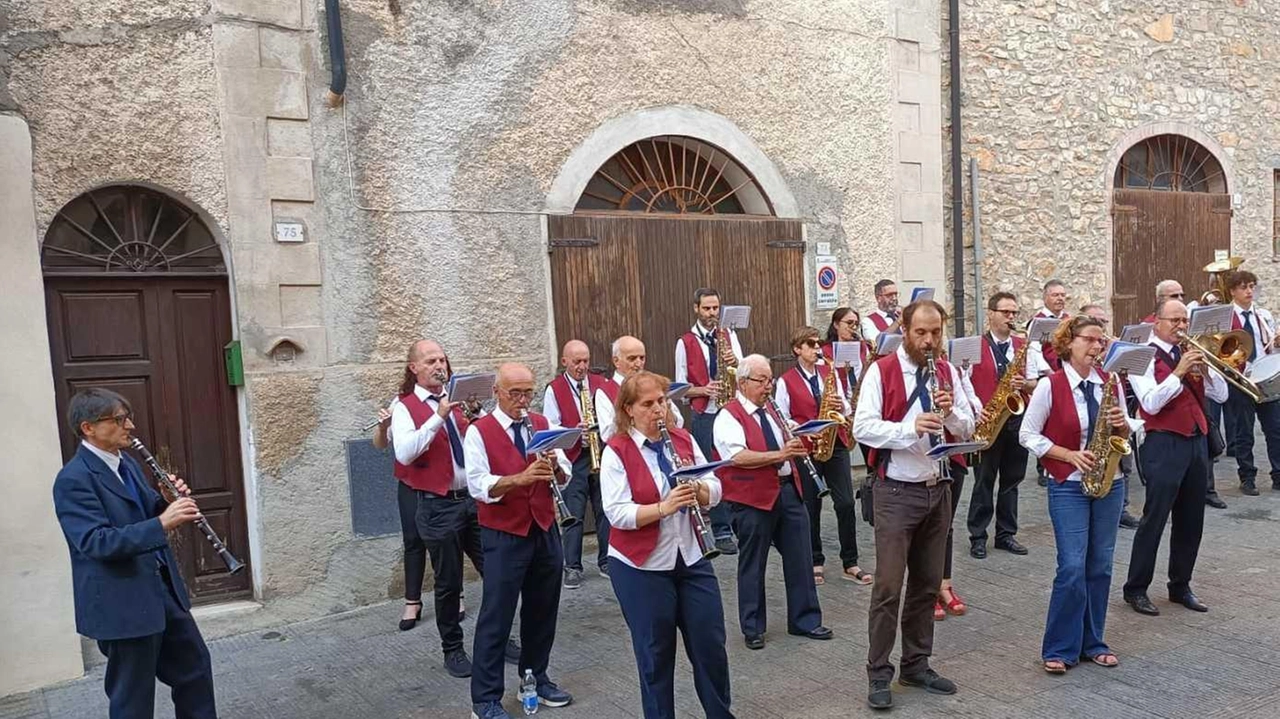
911, 541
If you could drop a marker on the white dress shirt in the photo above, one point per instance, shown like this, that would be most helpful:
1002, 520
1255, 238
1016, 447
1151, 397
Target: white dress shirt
1263, 331
782, 395
606, 413
1031, 435
682, 362
551, 406
1153, 397
731, 437
909, 461
412, 441
112, 460
675, 532
479, 479
975, 402
870, 332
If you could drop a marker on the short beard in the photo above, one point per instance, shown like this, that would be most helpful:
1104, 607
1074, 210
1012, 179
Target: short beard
916, 353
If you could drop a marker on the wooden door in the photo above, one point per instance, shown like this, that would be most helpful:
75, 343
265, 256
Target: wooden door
1161, 236
158, 342
636, 274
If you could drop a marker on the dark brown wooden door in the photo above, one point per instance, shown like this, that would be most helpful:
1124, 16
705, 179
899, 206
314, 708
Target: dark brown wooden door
635, 274
1162, 236
158, 342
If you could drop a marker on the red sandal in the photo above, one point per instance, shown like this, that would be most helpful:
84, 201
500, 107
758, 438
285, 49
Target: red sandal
956, 605
938, 612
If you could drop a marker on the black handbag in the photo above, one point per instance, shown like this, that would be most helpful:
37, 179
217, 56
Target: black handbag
1217, 445
866, 501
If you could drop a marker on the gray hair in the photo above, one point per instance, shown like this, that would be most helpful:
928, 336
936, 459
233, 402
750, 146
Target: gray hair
613, 349
752, 366
1163, 285
1051, 284
92, 404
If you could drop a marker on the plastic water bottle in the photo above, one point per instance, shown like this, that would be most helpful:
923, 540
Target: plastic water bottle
529, 693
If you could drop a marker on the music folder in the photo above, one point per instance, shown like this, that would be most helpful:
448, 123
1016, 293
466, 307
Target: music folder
1128, 357
677, 390
698, 470
735, 317
813, 426
477, 387
545, 440
951, 449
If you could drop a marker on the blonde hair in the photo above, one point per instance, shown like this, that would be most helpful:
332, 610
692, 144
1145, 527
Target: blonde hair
630, 392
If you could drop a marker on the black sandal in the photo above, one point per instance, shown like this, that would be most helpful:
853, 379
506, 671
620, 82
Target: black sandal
407, 624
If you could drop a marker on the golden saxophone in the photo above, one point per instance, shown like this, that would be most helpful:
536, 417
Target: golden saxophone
831, 407
1107, 448
1005, 402
589, 419
726, 368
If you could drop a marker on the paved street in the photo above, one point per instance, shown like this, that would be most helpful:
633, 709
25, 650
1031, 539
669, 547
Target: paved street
1182, 664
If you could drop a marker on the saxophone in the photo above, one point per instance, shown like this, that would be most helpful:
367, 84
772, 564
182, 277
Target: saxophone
824, 442
589, 418
1107, 448
726, 368
1004, 402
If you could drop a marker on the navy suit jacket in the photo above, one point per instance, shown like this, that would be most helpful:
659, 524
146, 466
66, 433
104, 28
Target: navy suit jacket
119, 592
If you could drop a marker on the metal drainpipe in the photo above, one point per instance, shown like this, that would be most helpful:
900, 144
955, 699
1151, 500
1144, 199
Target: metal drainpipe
337, 54
957, 180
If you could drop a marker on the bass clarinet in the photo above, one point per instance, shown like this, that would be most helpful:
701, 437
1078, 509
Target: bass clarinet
701, 522
233, 565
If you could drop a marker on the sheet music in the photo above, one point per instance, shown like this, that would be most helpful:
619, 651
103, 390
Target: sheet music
477, 387
677, 390
887, 343
813, 426
699, 470
965, 351
1042, 329
849, 353
1210, 319
921, 293
545, 440
953, 448
1138, 334
1128, 357
735, 317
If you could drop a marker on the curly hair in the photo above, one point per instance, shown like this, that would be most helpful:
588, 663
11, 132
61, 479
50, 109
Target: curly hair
1069, 330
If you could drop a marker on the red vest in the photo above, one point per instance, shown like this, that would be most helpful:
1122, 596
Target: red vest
638, 544
804, 406
568, 404
893, 402
699, 372
1149, 319
984, 375
753, 487
880, 321
432, 471
518, 509
1183, 414
610, 389
1063, 425
1046, 348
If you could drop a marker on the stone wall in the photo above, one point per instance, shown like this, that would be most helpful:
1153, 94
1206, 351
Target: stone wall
1054, 92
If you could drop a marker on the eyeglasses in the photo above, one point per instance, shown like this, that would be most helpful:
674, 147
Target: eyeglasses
119, 419
518, 394
1093, 340
761, 380
1174, 320
1006, 313
810, 343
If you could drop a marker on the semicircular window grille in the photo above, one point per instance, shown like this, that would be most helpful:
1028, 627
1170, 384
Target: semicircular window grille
674, 174
129, 229
1171, 163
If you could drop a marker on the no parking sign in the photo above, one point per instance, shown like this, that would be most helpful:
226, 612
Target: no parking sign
826, 273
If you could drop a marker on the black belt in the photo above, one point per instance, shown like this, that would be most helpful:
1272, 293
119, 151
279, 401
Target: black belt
456, 495
930, 482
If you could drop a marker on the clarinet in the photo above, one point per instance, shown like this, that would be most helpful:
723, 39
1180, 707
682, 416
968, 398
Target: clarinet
701, 523
818, 481
233, 565
567, 519
944, 464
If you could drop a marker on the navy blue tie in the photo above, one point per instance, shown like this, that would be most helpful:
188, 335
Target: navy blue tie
770, 440
133, 483
1091, 406
926, 400
710, 340
455, 442
1248, 327
813, 385
1176, 355
517, 436
664, 464
1001, 354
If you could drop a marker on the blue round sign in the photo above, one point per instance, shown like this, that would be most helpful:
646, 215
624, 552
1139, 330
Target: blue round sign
827, 278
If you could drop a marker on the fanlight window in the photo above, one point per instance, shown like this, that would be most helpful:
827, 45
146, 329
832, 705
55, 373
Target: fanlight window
129, 229
673, 174
1171, 163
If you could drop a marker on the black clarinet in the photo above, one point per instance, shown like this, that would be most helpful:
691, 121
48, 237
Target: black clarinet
233, 565
806, 460
701, 522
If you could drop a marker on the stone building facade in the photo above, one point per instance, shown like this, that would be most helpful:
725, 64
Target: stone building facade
423, 203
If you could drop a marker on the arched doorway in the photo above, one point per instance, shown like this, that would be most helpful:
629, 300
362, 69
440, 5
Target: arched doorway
660, 218
1170, 212
137, 301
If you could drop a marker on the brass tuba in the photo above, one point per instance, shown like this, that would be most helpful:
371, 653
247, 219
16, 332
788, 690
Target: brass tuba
726, 368
1218, 271
1227, 352
1107, 448
824, 443
1005, 402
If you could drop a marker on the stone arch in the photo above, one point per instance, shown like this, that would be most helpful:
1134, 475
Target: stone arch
1170, 127
616, 134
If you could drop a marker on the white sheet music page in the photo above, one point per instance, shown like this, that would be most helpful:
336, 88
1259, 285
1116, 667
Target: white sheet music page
1210, 319
1042, 329
1128, 357
735, 317
848, 353
1138, 334
965, 351
476, 387
887, 344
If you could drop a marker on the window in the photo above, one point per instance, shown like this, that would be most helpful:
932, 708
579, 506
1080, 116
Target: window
1171, 163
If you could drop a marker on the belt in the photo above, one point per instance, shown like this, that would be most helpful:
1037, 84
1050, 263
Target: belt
930, 482
455, 495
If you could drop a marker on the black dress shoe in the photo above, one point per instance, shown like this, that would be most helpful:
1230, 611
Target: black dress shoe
1215, 501
978, 550
879, 696
754, 641
1248, 488
1128, 521
1190, 601
457, 663
1141, 604
819, 632
930, 681
1011, 545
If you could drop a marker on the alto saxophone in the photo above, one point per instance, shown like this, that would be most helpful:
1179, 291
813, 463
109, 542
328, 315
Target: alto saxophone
1005, 402
589, 419
726, 368
1106, 447
824, 442
701, 522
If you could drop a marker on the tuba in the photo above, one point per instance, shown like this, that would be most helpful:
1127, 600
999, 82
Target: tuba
824, 443
726, 368
1218, 271
1107, 448
1005, 402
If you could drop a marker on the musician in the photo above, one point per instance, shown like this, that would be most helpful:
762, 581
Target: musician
799, 395
128, 593
698, 363
1041, 360
948, 600
562, 405
1242, 410
1004, 463
415, 551
1098, 312
518, 534
1175, 457
885, 317
628, 359
1058, 426
659, 575
763, 490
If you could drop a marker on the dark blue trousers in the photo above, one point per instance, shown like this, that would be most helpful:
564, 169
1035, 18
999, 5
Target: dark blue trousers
177, 656
656, 604
701, 426
450, 529
524, 571
585, 486
786, 526
1242, 412
1177, 469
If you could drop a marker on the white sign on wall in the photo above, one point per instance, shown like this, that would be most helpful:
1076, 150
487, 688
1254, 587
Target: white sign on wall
290, 232
826, 276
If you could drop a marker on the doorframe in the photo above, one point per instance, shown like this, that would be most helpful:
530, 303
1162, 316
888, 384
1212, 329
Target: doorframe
248, 470
1131, 138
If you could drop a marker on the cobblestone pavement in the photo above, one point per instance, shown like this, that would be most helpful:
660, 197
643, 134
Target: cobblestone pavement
1181, 664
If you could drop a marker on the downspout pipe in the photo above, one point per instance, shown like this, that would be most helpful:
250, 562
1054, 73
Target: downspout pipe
337, 54
957, 178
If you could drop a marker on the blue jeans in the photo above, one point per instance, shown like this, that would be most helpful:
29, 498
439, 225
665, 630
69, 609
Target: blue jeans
1085, 532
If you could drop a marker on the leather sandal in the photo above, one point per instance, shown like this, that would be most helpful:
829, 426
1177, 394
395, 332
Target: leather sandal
1055, 666
955, 605
1101, 660
938, 612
